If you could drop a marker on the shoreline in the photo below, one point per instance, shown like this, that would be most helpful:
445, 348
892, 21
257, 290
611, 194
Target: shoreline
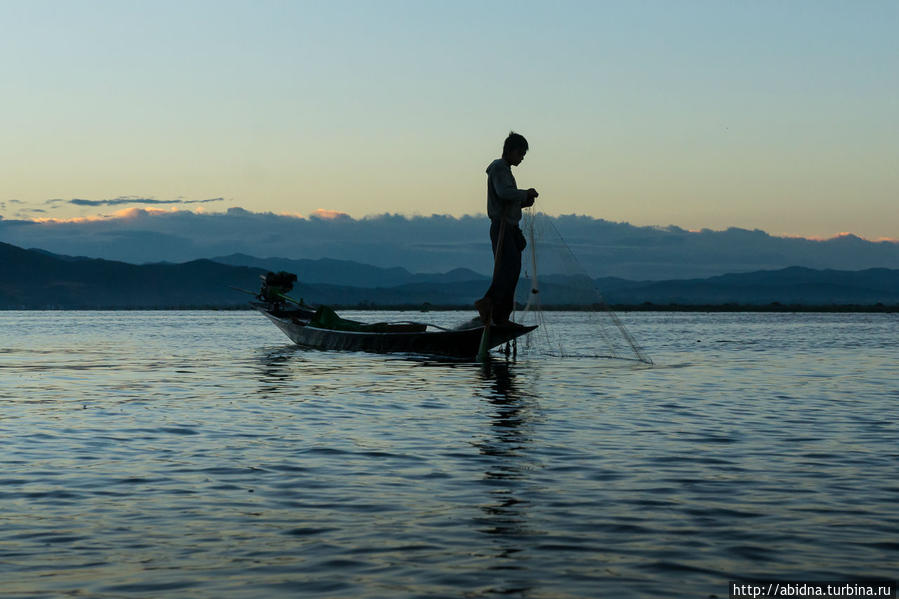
644, 307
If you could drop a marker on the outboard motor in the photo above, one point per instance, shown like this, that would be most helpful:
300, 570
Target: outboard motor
275, 285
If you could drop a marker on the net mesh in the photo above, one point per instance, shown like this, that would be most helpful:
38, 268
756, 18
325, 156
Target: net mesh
589, 323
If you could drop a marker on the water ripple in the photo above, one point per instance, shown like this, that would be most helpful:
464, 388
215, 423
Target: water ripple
198, 454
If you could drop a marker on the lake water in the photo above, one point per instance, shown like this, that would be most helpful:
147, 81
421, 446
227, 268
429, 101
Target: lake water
199, 454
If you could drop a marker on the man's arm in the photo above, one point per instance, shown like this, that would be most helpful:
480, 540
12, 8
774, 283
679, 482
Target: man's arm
505, 188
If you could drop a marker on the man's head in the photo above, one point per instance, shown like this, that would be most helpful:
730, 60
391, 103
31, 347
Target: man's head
514, 148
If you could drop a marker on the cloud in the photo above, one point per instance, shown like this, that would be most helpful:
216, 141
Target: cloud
323, 214
134, 200
436, 243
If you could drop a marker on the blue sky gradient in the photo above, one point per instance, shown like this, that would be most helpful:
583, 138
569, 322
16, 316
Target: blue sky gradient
782, 116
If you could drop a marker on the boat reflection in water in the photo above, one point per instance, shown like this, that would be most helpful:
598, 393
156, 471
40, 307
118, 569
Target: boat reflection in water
507, 451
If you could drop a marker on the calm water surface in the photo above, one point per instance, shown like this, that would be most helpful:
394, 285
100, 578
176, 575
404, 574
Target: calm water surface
198, 454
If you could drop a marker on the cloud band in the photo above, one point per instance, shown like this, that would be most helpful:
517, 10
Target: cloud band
136, 200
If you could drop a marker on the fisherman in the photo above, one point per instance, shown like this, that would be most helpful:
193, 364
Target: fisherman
504, 204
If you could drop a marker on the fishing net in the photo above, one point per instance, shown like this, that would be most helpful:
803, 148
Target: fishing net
553, 277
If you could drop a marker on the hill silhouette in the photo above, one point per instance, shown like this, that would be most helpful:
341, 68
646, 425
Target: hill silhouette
348, 272
36, 279
437, 244
793, 285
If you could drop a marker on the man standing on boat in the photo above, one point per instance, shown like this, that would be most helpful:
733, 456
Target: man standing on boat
504, 204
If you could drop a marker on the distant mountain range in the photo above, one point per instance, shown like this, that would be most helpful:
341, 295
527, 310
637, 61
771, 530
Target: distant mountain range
36, 279
437, 244
347, 272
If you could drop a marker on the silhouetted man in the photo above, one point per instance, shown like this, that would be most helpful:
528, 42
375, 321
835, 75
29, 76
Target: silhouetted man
504, 204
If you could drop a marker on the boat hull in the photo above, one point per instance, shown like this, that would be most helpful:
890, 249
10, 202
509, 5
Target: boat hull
456, 343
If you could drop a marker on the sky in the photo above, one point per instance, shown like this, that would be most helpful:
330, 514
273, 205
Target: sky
780, 116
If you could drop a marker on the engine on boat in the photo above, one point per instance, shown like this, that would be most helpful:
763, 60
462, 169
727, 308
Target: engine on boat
275, 285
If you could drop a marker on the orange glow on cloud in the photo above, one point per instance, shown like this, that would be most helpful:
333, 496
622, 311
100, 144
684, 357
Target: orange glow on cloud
328, 214
123, 214
809, 237
815, 237
134, 212
46, 220
129, 213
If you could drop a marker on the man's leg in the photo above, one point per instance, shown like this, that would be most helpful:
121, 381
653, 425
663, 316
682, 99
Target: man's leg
506, 278
486, 304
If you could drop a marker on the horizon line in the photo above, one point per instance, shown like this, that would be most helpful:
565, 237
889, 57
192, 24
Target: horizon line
323, 214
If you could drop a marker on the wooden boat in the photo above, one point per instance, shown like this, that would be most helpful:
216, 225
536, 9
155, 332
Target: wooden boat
322, 328
303, 327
